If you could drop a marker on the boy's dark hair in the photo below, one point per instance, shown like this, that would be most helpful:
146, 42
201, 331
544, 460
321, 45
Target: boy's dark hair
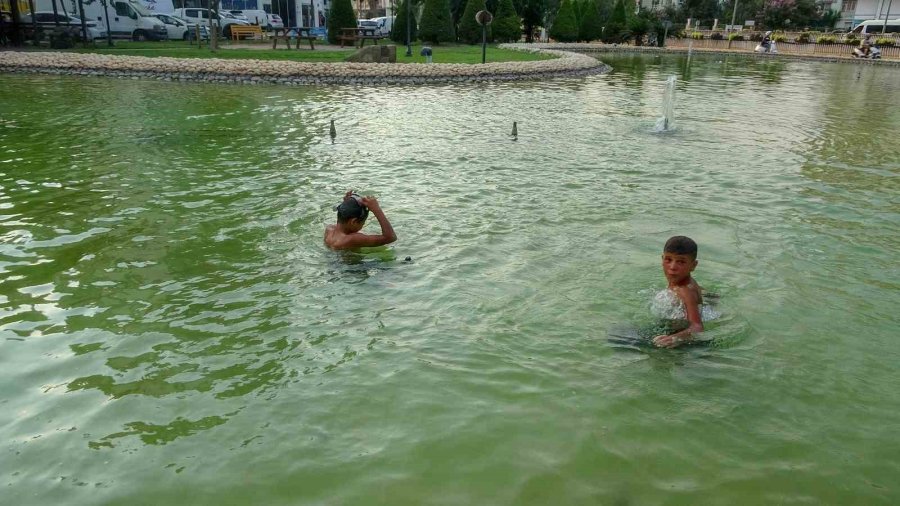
681, 245
351, 208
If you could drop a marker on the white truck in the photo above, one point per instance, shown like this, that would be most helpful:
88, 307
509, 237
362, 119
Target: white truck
127, 18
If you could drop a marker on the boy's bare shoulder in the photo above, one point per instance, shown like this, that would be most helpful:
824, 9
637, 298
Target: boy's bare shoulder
689, 293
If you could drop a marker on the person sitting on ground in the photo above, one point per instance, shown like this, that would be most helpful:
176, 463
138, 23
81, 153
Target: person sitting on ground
865, 45
351, 216
679, 259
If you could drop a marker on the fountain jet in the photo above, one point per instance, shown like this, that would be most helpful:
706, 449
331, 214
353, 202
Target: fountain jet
666, 122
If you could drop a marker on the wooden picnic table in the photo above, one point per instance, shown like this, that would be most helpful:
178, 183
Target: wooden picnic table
300, 33
359, 34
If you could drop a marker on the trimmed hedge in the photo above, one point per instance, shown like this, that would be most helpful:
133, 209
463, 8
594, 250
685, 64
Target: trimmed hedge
884, 41
697, 35
398, 31
340, 15
716, 36
826, 39
565, 27
469, 30
507, 26
591, 27
436, 25
735, 36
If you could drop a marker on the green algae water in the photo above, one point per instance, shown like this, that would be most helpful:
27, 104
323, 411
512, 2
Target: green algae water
173, 331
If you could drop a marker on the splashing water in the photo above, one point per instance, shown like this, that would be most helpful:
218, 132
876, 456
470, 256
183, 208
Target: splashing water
666, 121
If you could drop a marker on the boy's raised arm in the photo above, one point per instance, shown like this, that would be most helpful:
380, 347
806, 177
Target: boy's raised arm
387, 235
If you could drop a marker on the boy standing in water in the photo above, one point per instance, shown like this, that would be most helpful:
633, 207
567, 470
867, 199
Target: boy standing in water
351, 216
679, 260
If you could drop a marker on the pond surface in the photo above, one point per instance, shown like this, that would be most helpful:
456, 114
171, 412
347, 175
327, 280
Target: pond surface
172, 329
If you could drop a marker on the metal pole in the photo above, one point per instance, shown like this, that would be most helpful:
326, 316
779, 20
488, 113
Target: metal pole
106, 17
886, 16
483, 42
55, 14
34, 22
734, 14
408, 29
84, 37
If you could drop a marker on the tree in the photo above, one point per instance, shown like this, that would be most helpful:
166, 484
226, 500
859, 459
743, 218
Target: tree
591, 27
640, 25
398, 29
532, 13
340, 16
506, 26
616, 28
436, 25
565, 26
469, 29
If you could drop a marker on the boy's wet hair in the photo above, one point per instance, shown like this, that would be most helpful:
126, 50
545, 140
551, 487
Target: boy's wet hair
681, 245
352, 208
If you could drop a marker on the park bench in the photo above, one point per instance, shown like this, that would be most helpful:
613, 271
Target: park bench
251, 31
352, 35
300, 33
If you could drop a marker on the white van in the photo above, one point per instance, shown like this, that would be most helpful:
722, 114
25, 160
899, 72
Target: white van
384, 25
127, 18
874, 27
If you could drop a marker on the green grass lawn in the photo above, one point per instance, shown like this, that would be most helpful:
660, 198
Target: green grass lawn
446, 53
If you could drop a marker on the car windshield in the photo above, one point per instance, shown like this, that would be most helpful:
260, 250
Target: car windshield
368, 23
143, 11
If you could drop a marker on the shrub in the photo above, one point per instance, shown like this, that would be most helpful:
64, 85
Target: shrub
617, 26
565, 27
436, 25
641, 25
340, 16
697, 35
735, 36
851, 40
398, 32
884, 41
803, 38
507, 26
591, 27
826, 39
756, 37
679, 34
779, 37
469, 30
716, 36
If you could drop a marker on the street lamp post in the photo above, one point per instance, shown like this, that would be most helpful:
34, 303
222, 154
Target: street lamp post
408, 32
734, 14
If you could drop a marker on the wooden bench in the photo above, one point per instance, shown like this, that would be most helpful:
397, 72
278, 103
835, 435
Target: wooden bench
301, 33
252, 31
359, 34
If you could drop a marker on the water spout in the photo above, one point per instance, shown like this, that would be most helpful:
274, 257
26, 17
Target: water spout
666, 122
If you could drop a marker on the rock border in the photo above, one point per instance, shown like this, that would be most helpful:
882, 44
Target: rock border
250, 71
588, 47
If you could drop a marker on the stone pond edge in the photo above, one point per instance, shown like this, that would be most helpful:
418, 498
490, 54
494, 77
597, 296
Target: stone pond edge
249, 71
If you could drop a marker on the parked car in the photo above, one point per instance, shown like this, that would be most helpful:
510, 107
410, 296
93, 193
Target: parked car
201, 16
49, 19
367, 23
237, 14
178, 28
275, 21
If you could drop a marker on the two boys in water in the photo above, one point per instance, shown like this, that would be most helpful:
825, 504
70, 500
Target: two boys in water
679, 259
